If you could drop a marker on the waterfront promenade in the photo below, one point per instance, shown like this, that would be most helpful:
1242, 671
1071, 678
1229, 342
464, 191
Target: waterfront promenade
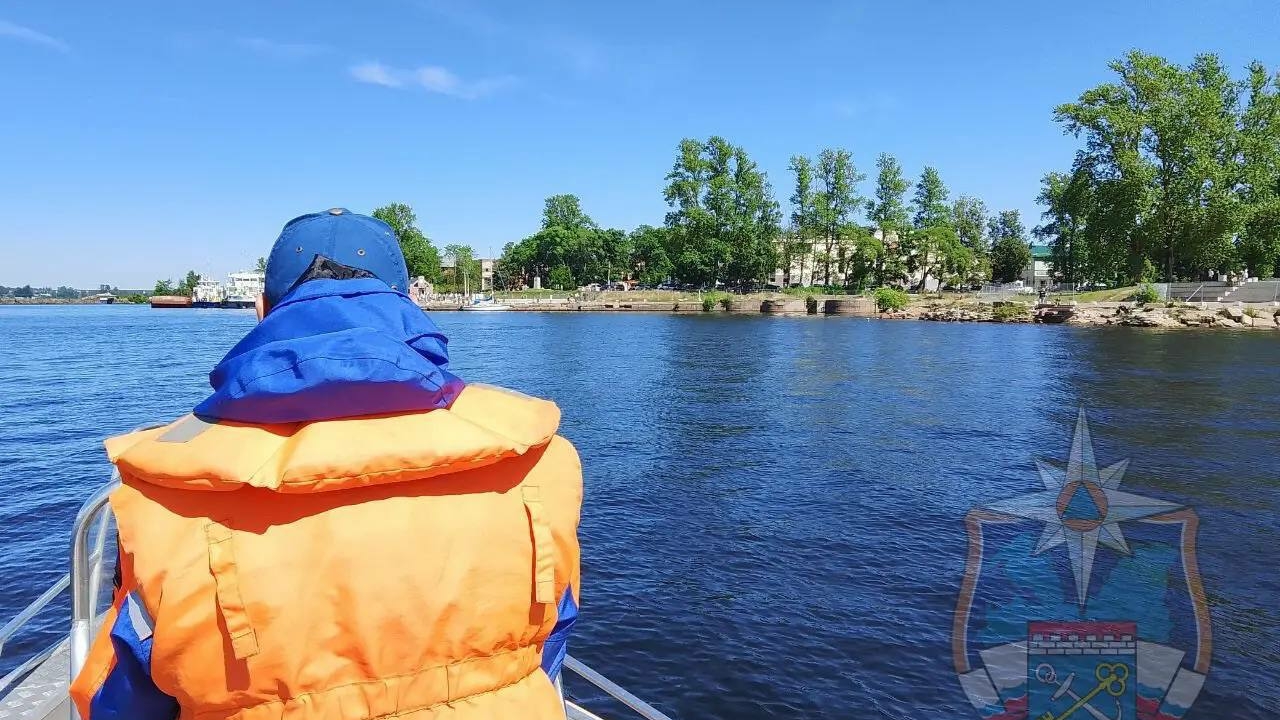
1254, 316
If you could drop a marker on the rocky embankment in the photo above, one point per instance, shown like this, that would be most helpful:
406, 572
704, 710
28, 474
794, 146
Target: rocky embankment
1264, 318
1127, 314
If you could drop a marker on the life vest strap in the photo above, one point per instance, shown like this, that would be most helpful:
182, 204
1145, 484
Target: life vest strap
222, 564
544, 562
414, 694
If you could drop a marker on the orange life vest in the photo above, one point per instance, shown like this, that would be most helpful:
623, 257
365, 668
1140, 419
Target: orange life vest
404, 566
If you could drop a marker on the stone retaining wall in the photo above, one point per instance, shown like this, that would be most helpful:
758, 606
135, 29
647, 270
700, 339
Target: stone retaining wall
860, 306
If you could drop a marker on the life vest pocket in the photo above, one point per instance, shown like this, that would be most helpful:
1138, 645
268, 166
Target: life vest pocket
544, 561
222, 565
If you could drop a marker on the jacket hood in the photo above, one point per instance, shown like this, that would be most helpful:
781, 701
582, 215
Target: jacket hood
332, 349
482, 426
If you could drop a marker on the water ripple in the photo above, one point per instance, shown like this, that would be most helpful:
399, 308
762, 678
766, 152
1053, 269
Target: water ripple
773, 524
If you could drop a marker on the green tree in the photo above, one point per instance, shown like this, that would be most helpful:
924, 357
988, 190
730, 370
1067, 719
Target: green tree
1163, 158
888, 207
565, 211
561, 278
930, 201
970, 215
836, 202
420, 256
262, 265
568, 237
466, 268
24, 292
1010, 252
888, 211
797, 242
1007, 224
1009, 257
514, 269
163, 287
866, 261
649, 258
615, 246
1260, 244
188, 284
724, 222
1068, 200
930, 242
1259, 185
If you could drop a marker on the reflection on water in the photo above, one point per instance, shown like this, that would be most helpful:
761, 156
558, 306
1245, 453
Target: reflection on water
774, 518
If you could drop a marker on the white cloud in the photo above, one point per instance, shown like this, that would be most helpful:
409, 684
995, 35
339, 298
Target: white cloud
877, 104
282, 50
437, 79
554, 39
375, 74
27, 35
431, 78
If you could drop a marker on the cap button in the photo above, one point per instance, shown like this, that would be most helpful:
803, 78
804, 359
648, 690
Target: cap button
336, 211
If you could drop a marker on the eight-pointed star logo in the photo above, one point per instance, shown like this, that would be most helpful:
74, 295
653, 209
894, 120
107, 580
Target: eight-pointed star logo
1088, 632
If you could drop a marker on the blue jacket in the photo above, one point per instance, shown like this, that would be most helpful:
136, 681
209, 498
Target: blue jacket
329, 349
332, 349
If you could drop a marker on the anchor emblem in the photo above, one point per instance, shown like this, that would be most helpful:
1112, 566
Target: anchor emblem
1112, 679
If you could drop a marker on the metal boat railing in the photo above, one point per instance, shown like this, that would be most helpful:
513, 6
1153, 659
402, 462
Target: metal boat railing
84, 580
614, 690
84, 575
91, 567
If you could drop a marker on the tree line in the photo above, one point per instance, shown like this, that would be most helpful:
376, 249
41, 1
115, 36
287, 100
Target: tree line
185, 286
423, 259
62, 292
725, 228
1178, 178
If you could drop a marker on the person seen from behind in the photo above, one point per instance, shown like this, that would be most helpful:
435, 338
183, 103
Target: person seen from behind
343, 529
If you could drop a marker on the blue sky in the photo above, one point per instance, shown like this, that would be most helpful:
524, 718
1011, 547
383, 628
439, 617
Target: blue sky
141, 141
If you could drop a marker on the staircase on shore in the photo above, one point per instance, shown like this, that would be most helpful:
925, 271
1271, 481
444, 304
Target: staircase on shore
1206, 291
1259, 291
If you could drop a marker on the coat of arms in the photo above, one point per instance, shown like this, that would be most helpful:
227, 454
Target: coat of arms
1082, 601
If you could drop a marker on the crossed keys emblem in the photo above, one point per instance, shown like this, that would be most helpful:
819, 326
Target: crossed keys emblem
1112, 679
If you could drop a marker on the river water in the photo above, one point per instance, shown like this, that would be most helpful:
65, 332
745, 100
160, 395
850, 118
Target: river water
774, 518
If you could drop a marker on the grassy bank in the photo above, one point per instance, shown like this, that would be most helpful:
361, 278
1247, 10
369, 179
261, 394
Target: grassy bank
1119, 294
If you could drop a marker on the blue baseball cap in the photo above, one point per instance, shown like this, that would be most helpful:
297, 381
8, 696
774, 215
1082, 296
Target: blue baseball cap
348, 238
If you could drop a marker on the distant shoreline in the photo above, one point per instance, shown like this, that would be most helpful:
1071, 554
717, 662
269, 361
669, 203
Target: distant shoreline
1240, 316
1264, 316
61, 301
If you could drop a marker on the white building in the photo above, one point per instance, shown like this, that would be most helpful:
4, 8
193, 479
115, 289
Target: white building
1037, 274
808, 269
450, 263
421, 290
